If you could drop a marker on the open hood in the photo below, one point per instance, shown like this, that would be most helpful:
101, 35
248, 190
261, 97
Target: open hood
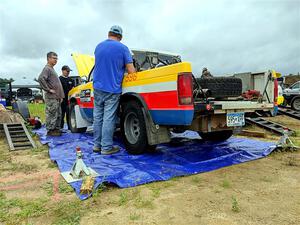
84, 63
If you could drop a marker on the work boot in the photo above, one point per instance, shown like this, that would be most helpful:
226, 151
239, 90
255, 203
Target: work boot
96, 149
56, 132
53, 133
113, 150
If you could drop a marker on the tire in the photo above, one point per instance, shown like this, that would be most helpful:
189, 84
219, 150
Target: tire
222, 87
133, 129
296, 104
216, 135
72, 121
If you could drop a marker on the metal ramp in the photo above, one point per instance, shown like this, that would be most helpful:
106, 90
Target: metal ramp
268, 125
18, 136
289, 112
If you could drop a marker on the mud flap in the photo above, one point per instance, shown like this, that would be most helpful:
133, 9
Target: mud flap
155, 134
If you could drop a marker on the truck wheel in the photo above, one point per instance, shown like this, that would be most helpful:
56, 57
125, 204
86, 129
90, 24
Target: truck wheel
216, 135
133, 128
72, 121
296, 104
222, 87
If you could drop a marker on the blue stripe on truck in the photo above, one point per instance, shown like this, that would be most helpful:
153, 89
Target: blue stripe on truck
172, 117
160, 117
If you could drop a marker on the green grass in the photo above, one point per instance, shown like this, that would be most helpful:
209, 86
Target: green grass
38, 150
52, 165
67, 212
266, 179
161, 184
175, 178
5, 156
19, 167
63, 187
123, 198
18, 211
102, 187
128, 195
155, 192
134, 216
234, 205
143, 203
37, 110
14, 211
48, 188
226, 184
196, 179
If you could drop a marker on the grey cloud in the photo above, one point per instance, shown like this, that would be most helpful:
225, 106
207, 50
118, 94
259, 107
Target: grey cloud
225, 36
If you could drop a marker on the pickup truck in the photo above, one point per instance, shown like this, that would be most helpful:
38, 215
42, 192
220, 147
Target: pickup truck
162, 96
292, 96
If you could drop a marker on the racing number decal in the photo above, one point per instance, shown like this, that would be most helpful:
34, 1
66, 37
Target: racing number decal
131, 77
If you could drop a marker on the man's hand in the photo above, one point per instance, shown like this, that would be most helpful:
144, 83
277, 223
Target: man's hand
130, 68
52, 91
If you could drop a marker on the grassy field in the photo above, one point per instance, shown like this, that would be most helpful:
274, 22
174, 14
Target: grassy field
37, 109
264, 191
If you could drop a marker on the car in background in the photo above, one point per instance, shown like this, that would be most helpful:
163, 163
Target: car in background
24, 94
292, 96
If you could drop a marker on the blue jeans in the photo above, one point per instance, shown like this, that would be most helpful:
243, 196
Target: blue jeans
105, 114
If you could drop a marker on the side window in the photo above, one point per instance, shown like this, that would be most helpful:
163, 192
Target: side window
296, 86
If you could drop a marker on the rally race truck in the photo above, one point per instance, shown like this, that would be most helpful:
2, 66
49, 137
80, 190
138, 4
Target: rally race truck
163, 96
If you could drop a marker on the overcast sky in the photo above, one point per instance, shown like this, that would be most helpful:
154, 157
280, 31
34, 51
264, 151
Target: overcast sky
227, 36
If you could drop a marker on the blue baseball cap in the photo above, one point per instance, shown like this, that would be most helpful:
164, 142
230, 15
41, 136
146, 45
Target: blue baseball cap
116, 29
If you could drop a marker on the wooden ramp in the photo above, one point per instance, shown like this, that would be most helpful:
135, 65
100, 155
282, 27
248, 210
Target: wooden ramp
18, 137
269, 125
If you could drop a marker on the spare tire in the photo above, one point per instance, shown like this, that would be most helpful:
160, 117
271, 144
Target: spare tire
222, 87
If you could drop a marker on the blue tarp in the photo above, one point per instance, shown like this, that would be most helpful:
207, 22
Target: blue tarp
170, 160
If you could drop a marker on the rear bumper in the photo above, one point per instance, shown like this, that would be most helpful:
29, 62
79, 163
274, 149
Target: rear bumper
220, 107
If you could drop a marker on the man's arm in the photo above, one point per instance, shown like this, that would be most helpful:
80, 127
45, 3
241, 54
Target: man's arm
130, 68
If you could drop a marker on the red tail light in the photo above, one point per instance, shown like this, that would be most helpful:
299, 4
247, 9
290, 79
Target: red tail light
185, 88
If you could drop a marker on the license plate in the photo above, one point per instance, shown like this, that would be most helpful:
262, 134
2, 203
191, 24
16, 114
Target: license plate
235, 119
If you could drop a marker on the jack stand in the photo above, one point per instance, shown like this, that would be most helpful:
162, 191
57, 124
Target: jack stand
285, 141
79, 169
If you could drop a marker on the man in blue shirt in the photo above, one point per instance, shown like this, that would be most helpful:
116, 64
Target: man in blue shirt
111, 59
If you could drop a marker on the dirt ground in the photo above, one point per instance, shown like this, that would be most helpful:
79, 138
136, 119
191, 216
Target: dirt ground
264, 191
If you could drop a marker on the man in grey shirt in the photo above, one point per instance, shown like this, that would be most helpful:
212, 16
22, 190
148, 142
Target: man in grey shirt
54, 94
